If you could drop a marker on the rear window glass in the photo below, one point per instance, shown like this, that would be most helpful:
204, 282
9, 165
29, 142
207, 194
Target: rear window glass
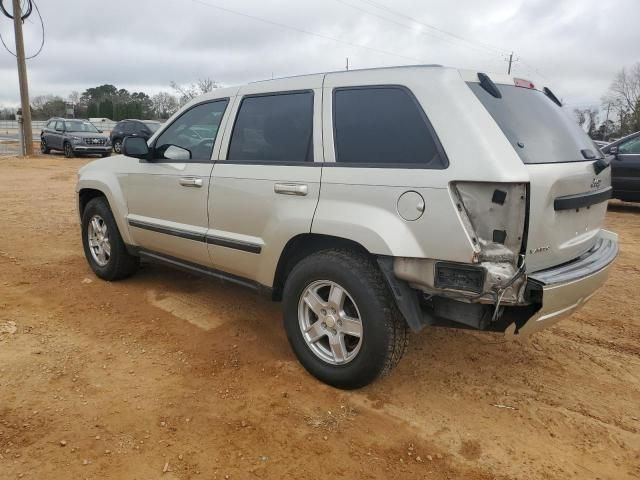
383, 125
539, 130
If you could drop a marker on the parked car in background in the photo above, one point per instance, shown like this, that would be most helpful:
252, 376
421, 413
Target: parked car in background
350, 197
132, 128
625, 167
74, 136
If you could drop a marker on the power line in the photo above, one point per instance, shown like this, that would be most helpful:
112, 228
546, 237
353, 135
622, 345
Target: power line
408, 27
433, 27
307, 32
472, 43
31, 4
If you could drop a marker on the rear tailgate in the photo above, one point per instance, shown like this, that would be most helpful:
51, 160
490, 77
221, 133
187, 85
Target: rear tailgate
558, 231
567, 202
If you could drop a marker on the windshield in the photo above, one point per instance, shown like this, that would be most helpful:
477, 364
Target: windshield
153, 126
79, 126
539, 130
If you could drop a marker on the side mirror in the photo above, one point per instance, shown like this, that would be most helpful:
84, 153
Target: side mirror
99, 131
135, 147
177, 153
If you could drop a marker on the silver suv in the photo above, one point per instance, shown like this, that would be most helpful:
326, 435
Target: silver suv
74, 136
369, 202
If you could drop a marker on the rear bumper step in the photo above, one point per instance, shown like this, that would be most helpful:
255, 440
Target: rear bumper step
566, 288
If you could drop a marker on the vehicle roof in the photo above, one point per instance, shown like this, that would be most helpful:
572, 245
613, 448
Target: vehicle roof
67, 119
138, 120
315, 78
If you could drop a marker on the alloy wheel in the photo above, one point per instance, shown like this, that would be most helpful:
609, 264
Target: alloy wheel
98, 236
330, 322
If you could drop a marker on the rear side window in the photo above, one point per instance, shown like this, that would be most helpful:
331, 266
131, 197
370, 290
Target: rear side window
383, 126
539, 130
274, 128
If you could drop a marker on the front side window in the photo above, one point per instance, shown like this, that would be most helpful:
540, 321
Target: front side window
79, 126
152, 126
630, 147
192, 135
60, 125
383, 126
51, 124
274, 128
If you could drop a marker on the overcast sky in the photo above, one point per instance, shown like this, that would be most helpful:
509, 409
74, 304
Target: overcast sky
573, 46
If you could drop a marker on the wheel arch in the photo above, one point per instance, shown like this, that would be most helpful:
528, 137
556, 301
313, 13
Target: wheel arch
300, 247
85, 195
88, 189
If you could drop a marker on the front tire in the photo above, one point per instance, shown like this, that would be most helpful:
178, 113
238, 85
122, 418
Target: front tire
68, 150
104, 155
341, 320
104, 248
43, 146
117, 145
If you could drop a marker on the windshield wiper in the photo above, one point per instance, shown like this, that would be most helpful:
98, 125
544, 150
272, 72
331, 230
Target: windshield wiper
488, 85
551, 95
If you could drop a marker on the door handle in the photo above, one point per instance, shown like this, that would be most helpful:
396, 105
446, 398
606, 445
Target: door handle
191, 182
291, 189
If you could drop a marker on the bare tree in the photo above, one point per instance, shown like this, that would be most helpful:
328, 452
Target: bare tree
623, 98
189, 92
164, 104
74, 98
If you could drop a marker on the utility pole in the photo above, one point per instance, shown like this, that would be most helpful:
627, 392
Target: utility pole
606, 122
347, 63
22, 78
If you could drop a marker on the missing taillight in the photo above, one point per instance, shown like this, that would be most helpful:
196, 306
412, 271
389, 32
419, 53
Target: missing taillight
495, 215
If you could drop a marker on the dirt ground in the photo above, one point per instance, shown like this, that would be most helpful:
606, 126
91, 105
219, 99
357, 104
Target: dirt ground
170, 376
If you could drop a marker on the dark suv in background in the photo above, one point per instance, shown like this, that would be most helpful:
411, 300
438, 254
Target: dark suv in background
132, 128
625, 167
73, 136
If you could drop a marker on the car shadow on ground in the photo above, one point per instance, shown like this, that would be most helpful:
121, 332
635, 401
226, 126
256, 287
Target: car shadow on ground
624, 207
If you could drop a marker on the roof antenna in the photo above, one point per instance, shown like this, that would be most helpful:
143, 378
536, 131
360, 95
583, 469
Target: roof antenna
347, 64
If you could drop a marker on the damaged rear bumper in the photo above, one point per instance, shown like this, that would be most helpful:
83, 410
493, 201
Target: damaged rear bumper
566, 288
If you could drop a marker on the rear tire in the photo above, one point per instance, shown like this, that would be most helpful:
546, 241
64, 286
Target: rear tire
382, 330
99, 231
68, 150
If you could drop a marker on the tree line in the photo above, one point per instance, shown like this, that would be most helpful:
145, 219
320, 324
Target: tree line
108, 101
620, 107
